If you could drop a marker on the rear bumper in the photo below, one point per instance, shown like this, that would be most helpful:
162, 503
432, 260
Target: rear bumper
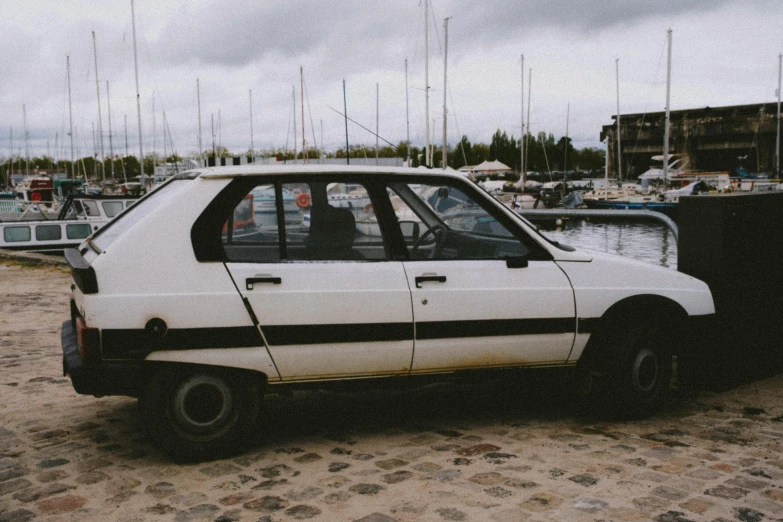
98, 378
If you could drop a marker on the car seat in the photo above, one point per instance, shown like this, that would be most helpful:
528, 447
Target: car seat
331, 236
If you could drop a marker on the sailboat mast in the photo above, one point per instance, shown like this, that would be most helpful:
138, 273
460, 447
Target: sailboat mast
666, 122
529, 88
10, 155
377, 124
198, 100
214, 152
100, 119
252, 146
165, 150
619, 148
26, 141
565, 151
301, 95
522, 138
94, 152
138, 96
426, 83
154, 133
111, 145
70, 114
777, 140
432, 143
445, 109
606, 171
345, 112
407, 121
293, 100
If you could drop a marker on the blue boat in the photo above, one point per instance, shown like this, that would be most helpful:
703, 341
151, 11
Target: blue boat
669, 208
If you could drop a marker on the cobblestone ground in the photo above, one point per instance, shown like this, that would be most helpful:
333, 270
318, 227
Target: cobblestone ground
468, 451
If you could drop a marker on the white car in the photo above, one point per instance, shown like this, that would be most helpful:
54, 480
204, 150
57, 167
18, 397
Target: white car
191, 303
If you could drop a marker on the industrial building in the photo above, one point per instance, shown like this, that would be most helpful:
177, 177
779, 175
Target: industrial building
711, 139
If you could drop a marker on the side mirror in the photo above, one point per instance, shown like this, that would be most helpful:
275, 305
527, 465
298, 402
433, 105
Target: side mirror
516, 262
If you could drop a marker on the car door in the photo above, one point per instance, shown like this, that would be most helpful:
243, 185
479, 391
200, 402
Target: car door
483, 296
316, 274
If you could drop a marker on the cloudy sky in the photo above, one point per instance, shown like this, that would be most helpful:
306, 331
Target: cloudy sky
725, 52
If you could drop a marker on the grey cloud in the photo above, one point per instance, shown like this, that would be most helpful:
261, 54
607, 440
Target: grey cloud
493, 20
239, 36
248, 31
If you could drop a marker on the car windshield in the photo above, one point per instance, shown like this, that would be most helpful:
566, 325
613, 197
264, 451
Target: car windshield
451, 206
132, 215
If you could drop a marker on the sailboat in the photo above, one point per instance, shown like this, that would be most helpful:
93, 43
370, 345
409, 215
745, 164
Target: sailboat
631, 198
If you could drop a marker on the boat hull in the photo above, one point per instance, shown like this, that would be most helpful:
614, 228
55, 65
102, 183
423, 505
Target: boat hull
667, 208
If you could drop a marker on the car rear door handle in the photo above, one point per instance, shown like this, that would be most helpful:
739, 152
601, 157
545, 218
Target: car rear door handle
436, 278
252, 280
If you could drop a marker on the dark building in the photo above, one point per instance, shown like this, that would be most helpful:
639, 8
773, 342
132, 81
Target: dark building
712, 139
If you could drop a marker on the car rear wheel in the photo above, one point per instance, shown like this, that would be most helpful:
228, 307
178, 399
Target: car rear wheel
200, 414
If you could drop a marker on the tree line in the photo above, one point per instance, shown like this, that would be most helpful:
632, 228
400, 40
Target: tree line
544, 154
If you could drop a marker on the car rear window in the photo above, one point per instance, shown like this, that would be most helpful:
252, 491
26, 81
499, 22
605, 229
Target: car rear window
132, 215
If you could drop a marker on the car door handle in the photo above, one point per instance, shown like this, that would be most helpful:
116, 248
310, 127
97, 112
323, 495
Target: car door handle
252, 280
436, 278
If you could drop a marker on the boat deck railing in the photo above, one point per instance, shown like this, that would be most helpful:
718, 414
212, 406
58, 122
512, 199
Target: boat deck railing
8, 205
626, 215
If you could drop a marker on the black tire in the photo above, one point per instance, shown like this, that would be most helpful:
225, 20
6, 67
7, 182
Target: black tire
639, 372
201, 413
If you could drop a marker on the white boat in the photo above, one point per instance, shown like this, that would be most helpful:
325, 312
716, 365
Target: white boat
516, 201
265, 211
78, 217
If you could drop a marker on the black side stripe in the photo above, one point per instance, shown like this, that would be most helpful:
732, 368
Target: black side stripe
138, 343
337, 333
492, 328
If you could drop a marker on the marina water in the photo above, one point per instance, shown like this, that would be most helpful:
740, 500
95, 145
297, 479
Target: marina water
652, 243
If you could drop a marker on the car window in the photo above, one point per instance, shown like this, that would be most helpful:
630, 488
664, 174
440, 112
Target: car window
443, 221
250, 234
321, 221
337, 222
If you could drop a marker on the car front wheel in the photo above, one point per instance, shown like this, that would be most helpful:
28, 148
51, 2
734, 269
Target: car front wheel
201, 414
640, 373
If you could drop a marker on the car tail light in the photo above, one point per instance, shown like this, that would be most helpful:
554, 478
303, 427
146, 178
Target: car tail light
89, 341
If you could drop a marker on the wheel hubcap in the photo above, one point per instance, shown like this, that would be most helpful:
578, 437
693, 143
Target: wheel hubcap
202, 404
645, 370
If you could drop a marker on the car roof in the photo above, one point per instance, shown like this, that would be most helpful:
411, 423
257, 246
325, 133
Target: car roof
291, 170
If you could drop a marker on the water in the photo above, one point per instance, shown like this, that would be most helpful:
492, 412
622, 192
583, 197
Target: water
652, 243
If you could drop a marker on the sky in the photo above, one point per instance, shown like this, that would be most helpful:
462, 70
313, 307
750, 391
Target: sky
724, 52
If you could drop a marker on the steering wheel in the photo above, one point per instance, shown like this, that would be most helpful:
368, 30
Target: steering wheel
438, 232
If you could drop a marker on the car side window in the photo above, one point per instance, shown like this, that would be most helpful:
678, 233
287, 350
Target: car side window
250, 233
321, 221
443, 221
331, 221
